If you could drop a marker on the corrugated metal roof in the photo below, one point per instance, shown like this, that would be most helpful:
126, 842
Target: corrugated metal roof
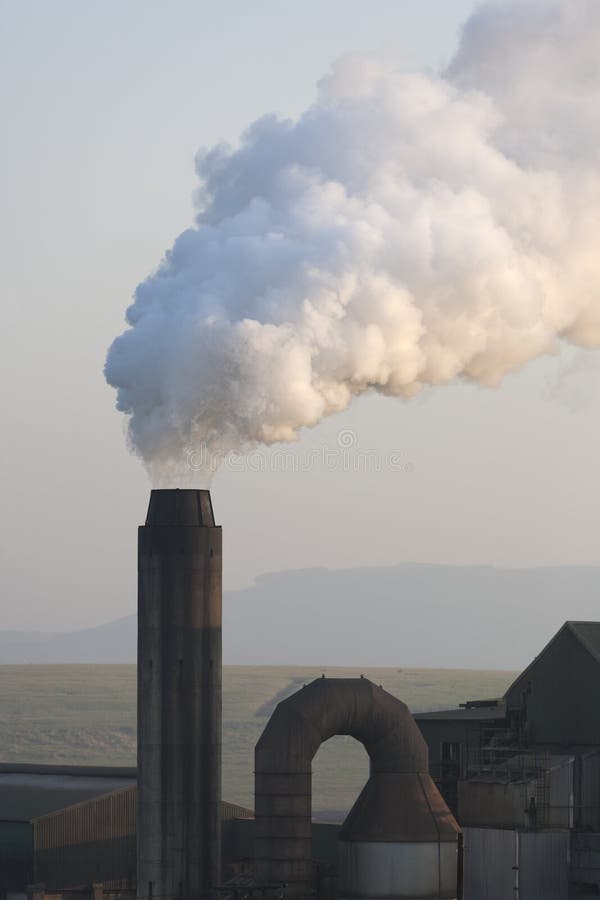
28, 793
32, 791
234, 811
44, 769
107, 817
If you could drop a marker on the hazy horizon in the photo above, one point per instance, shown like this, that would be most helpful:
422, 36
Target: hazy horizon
416, 616
106, 106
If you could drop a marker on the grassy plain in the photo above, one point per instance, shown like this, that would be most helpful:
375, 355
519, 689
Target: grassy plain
86, 715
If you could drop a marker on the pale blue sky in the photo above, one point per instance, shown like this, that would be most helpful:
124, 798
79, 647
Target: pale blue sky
104, 105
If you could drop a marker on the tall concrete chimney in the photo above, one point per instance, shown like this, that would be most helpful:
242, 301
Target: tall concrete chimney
179, 697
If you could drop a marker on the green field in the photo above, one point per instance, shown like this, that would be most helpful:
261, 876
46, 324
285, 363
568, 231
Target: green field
86, 715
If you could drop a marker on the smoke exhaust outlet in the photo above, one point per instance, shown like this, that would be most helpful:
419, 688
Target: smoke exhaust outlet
179, 697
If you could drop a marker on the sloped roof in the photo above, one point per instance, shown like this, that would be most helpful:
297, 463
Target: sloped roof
30, 791
464, 714
586, 633
394, 808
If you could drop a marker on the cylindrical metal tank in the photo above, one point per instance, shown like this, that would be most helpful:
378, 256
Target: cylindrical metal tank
399, 842
179, 697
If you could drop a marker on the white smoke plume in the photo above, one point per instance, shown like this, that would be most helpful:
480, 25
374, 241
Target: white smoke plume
406, 230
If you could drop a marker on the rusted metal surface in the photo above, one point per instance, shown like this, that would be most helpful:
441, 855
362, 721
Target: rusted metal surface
401, 807
179, 697
283, 758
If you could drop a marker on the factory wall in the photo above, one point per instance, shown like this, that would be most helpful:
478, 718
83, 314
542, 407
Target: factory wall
488, 864
499, 802
501, 863
63, 861
238, 845
16, 855
587, 785
32, 791
559, 709
95, 841
454, 740
584, 875
88, 842
494, 804
560, 795
544, 865
440, 732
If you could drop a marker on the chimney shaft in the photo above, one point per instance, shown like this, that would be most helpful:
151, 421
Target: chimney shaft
179, 697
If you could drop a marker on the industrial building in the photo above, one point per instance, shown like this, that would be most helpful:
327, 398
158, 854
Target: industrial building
399, 824
69, 827
499, 798
28, 792
522, 774
169, 836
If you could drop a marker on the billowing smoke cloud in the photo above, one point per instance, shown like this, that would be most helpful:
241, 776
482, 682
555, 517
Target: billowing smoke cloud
406, 230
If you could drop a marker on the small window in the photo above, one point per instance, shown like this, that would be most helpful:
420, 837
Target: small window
451, 751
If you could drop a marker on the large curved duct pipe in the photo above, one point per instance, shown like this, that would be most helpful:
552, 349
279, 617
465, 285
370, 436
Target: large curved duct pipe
283, 762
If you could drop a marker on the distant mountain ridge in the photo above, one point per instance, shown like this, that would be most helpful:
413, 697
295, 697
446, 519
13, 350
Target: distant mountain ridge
115, 642
411, 615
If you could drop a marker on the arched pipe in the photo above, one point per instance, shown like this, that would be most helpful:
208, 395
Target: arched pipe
283, 764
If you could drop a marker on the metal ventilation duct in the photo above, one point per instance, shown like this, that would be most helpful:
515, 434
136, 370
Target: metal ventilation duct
283, 759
